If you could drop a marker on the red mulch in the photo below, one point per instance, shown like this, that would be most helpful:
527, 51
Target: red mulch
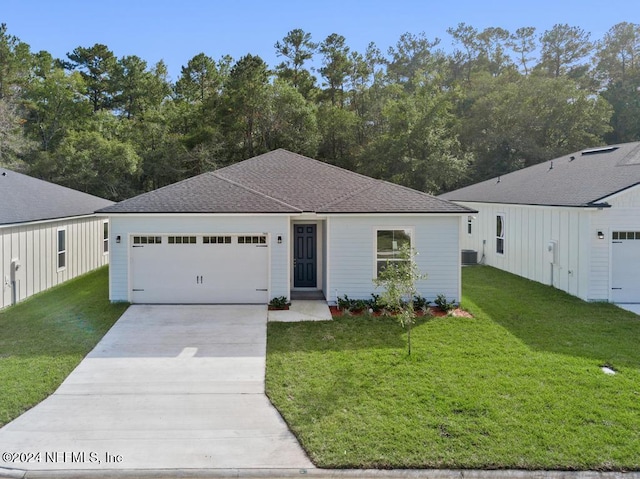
458, 313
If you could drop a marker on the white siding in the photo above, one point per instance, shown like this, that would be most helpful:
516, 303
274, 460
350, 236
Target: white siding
529, 229
624, 215
351, 253
34, 245
629, 198
608, 220
124, 226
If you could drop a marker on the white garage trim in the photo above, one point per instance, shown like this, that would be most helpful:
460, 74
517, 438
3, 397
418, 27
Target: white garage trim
194, 268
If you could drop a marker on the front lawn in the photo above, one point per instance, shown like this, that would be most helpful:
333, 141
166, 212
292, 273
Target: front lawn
45, 337
518, 386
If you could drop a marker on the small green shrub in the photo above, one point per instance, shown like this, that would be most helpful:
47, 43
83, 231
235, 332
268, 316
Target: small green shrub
358, 305
445, 305
347, 304
344, 302
420, 303
279, 302
375, 303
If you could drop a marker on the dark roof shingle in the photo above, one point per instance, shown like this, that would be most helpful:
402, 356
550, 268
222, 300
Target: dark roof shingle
201, 194
24, 198
579, 179
284, 182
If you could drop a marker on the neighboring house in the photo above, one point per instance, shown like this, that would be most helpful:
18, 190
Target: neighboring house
48, 235
276, 224
573, 222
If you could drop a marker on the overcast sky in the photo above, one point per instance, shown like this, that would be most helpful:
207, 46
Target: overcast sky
175, 31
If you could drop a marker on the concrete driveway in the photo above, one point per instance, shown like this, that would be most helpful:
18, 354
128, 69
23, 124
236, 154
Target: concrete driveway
168, 387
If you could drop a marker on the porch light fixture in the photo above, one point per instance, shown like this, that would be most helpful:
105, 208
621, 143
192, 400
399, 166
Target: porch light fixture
279, 239
600, 235
118, 239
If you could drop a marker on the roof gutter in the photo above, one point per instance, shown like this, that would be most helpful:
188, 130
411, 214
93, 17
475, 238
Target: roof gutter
598, 205
584, 205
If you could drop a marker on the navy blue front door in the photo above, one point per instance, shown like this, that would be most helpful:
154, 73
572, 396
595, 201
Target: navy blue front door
304, 256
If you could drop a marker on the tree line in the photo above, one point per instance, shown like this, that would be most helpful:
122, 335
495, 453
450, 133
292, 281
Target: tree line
416, 114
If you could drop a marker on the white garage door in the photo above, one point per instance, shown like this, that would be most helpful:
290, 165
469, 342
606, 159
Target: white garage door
199, 269
625, 264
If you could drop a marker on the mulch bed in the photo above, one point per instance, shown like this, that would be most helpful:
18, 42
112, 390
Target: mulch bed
435, 311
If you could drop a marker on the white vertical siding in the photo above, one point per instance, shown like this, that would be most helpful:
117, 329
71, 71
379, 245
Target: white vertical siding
35, 246
325, 263
529, 229
608, 220
124, 226
352, 247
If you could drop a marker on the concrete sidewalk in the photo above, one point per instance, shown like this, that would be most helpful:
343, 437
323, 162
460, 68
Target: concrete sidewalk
319, 474
633, 307
169, 387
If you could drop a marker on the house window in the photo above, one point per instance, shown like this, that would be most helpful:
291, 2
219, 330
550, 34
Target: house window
469, 224
500, 229
62, 248
388, 245
105, 237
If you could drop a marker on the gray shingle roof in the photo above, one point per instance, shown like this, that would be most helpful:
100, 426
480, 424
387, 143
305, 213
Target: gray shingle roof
284, 182
24, 198
579, 179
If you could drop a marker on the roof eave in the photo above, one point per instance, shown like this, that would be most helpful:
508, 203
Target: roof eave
56, 219
193, 213
395, 212
553, 205
615, 193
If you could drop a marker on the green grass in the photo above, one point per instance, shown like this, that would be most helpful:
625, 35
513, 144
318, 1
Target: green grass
518, 386
44, 338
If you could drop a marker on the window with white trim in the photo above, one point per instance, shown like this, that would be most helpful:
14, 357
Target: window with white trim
500, 233
105, 237
388, 245
61, 248
469, 225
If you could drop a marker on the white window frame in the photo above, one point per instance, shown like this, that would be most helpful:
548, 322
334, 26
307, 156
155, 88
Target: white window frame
470, 225
61, 252
501, 236
412, 238
105, 237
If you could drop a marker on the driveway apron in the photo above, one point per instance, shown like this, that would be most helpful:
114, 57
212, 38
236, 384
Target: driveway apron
168, 387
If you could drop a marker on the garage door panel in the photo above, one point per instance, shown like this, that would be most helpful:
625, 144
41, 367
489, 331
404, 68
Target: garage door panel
200, 272
625, 266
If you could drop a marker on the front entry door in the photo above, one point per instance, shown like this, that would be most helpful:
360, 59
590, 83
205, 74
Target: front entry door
304, 256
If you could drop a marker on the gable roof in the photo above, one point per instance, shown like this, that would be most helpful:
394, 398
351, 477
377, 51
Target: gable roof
283, 182
581, 179
24, 198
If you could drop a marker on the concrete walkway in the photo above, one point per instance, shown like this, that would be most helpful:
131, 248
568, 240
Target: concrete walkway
302, 310
168, 387
633, 307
